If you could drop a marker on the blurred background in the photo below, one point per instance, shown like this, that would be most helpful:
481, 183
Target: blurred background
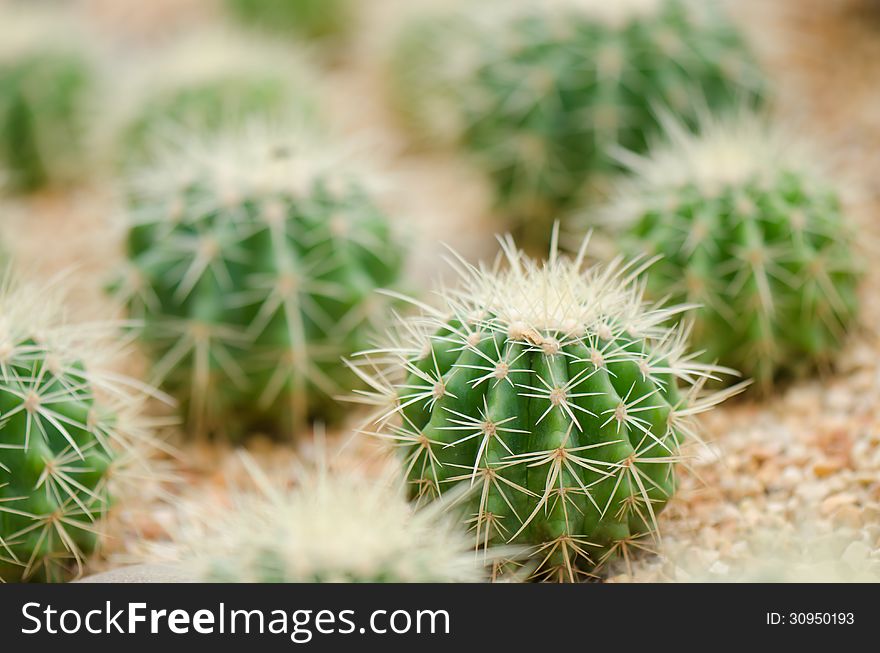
805, 459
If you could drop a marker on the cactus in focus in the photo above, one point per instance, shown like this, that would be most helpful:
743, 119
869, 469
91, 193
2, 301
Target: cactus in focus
211, 81
46, 82
542, 95
553, 391
330, 527
308, 18
62, 438
254, 260
750, 229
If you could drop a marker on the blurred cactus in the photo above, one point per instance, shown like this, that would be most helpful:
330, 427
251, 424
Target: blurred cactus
64, 434
332, 526
556, 394
46, 88
210, 81
542, 95
308, 18
254, 259
750, 229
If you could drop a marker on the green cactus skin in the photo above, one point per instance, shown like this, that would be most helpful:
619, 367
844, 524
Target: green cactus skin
60, 442
549, 94
750, 233
254, 263
43, 96
331, 527
309, 18
554, 392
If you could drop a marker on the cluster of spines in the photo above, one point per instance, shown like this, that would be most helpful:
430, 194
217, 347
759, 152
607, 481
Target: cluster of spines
330, 526
552, 391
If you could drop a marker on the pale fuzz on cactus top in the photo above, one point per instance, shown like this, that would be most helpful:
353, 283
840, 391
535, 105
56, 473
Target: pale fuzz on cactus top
71, 427
751, 227
556, 393
331, 526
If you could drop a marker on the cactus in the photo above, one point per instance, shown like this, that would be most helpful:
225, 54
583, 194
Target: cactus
309, 18
46, 82
753, 231
541, 96
556, 394
254, 257
63, 437
330, 527
209, 81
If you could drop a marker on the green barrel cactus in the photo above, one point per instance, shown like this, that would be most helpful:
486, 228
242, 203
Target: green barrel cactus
254, 260
543, 95
46, 87
207, 82
332, 526
62, 439
752, 231
308, 18
556, 394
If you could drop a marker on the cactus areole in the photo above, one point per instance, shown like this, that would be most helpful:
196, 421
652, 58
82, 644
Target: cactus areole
557, 394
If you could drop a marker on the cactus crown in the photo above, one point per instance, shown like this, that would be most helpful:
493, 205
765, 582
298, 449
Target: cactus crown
542, 95
254, 256
329, 527
553, 389
64, 434
46, 78
751, 229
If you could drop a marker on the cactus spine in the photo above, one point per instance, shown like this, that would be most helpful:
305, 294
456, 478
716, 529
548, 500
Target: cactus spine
543, 95
554, 392
254, 257
63, 436
330, 527
753, 231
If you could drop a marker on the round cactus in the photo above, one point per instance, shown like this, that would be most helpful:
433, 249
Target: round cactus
254, 259
207, 82
330, 527
308, 18
543, 95
750, 230
62, 438
46, 82
553, 391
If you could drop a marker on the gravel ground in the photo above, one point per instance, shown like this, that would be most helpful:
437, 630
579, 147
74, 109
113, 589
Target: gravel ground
787, 488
